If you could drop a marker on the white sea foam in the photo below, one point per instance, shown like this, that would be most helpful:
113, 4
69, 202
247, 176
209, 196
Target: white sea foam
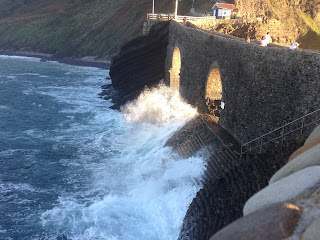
151, 205
6, 187
2, 230
20, 57
158, 105
11, 77
12, 152
27, 74
141, 190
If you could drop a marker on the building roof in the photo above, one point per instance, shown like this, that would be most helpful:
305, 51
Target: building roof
223, 5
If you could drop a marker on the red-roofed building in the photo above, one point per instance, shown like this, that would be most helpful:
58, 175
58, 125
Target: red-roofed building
222, 10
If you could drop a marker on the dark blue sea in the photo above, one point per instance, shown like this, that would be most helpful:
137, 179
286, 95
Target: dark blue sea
72, 168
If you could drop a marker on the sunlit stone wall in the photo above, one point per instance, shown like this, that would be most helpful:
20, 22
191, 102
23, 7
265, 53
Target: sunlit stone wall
262, 87
175, 69
214, 86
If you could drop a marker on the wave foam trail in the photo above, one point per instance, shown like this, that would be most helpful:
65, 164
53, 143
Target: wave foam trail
151, 206
158, 105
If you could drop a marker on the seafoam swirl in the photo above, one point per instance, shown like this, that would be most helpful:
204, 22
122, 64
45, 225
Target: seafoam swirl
158, 105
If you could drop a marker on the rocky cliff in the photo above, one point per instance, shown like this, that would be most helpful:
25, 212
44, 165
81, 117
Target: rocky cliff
287, 21
228, 182
293, 17
140, 63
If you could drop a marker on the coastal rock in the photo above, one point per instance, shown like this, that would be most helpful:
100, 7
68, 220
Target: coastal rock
285, 189
277, 221
312, 232
228, 181
306, 159
140, 63
315, 134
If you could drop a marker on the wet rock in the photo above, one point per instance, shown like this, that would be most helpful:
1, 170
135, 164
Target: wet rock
106, 86
277, 221
140, 63
108, 92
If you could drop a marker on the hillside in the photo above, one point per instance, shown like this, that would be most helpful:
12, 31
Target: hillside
291, 19
75, 27
99, 27
287, 21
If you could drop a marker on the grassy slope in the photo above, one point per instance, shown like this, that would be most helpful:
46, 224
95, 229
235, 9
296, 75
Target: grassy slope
75, 27
78, 29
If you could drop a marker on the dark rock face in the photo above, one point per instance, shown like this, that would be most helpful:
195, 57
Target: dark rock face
107, 92
228, 182
140, 63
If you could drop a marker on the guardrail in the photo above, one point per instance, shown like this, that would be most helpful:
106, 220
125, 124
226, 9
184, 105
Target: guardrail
170, 16
277, 136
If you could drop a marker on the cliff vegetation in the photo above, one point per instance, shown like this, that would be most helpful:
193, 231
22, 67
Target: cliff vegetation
76, 27
287, 21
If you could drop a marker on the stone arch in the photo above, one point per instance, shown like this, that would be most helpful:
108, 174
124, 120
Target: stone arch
214, 92
175, 69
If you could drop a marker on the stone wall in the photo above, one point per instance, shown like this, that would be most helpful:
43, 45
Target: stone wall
262, 87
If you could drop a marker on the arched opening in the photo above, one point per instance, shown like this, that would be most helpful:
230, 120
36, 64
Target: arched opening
175, 69
214, 92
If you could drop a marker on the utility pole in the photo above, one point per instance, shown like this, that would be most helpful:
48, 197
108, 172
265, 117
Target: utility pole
176, 11
152, 6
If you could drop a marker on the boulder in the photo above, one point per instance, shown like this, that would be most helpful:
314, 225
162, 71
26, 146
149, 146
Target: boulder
315, 134
285, 189
312, 232
277, 221
304, 148
311, 157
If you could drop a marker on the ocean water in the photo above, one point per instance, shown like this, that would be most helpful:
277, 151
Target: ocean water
72, 168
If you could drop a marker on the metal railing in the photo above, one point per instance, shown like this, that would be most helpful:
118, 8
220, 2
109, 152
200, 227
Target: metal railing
170, 16
277, 136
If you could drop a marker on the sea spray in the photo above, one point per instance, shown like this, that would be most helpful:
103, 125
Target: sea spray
158, 105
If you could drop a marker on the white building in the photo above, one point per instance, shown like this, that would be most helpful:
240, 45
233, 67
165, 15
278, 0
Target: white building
222, 10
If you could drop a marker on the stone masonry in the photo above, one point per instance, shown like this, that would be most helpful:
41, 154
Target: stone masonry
262, 87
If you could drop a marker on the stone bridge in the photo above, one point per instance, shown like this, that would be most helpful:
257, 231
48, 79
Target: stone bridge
261, 87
